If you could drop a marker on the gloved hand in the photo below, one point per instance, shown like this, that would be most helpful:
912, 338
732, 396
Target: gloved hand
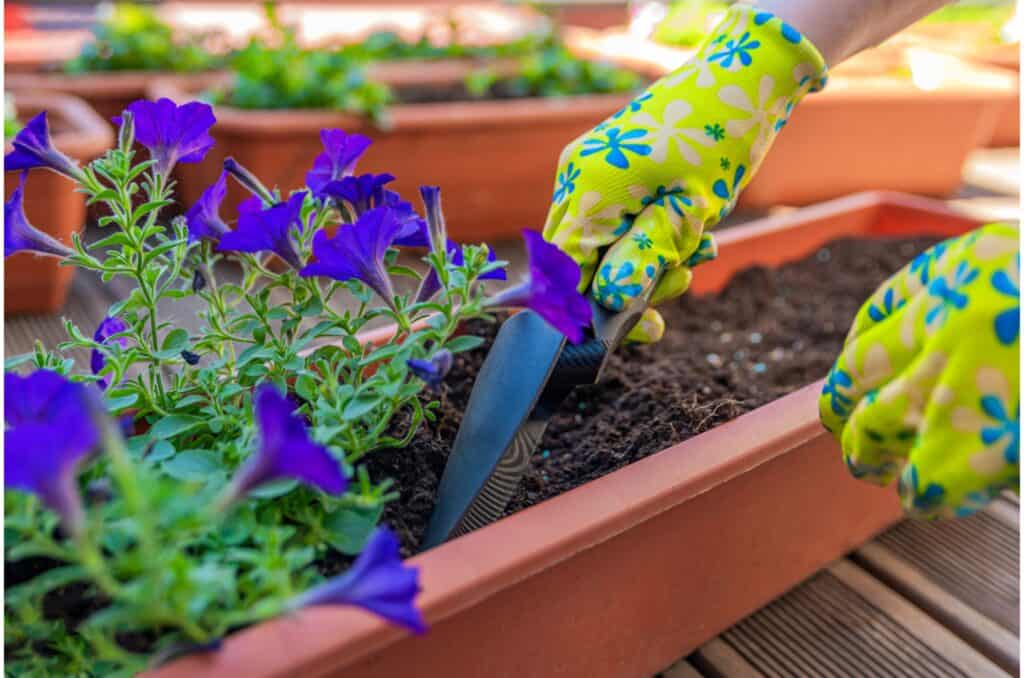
926, 388
646, 182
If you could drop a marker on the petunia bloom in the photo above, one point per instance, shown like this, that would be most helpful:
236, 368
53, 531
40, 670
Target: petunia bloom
105, 335
362, 192
285, 450
550, 289
267, 230
21, 236
378, 582
172, 133
357, 252
49, 432
433, 370
33, 148
249, 181
341, 151
203, 218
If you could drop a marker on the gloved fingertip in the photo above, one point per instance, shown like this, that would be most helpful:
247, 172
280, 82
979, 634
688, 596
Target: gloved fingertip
673, 283
649, 330
707, 250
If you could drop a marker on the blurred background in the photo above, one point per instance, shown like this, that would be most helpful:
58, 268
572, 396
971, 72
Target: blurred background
479, 98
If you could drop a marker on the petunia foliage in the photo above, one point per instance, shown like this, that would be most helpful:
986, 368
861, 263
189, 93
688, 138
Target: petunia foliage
206, 469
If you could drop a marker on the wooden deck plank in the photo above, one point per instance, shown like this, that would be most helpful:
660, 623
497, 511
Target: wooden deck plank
843, 622
718, 660
681, 669
982, 633
942, 641
975, 559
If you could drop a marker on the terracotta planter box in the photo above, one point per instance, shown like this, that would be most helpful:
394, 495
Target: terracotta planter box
495, 160
872, 128
34, 284
621, 576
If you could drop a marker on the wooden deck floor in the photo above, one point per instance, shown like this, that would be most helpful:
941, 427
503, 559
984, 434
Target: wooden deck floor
938, 599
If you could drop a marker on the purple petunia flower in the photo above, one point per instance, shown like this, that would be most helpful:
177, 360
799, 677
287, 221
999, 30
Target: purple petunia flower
50, 430
378, 582
249, 181
172, 133
267, 230
357, 252
33, 148
362, 192
203, 218
285, 450
21, 236
433, 370
550, 289
341, 151
104, 335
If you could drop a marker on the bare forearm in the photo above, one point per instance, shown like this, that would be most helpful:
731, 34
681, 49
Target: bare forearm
841, 28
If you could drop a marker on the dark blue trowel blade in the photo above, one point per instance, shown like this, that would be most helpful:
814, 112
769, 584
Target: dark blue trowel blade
507, 388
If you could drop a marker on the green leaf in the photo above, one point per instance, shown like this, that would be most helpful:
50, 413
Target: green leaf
274, 489
116, 403
351, 527
161, 450
191, 465
43, 583
305, 386
174, 424
466, 342
176, 340
360, 405
16, 360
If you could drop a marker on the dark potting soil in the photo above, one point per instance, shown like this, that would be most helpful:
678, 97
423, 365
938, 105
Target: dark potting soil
766, 334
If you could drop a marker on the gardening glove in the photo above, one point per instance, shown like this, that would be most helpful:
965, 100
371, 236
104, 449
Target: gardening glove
926, 388
648, 181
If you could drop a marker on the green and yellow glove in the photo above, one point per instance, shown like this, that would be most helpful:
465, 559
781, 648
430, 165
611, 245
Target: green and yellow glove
926, 390
646, 182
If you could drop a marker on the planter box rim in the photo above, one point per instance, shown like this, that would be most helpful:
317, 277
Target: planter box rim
467, 570
100, 84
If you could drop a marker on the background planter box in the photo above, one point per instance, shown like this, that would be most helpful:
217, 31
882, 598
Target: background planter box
698, 536
40, 284
872, 128
108, 92
494, 160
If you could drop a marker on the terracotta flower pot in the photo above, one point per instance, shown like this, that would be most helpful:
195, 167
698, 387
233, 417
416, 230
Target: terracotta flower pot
901, 117
495, 160
34, 284
626, 573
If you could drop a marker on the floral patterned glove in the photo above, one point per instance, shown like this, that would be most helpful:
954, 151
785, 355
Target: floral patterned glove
646, 182
927, 387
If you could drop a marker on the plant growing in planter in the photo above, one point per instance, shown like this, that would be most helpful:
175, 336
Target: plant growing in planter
553, 71
194, 482
131, 45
